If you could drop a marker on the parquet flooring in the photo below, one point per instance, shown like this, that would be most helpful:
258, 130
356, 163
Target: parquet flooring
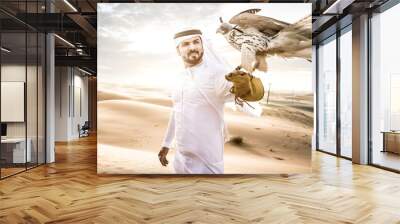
70, 191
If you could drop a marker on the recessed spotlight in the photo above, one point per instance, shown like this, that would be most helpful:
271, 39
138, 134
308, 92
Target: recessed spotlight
70, 5
84, 71
64, 40
5, 50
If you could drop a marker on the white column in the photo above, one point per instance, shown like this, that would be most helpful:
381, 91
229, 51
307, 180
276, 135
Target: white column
360, 90
50, 99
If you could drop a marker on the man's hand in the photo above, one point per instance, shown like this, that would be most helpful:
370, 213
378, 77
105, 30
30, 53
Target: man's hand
162, 156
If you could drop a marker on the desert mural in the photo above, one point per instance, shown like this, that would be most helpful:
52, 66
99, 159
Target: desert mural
138, 65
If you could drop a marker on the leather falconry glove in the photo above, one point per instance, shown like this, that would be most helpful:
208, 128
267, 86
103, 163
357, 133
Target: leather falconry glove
246, 87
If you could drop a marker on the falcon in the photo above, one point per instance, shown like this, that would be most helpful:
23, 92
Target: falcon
258, 37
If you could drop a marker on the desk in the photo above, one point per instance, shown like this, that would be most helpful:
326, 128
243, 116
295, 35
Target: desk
15, 148
391, 141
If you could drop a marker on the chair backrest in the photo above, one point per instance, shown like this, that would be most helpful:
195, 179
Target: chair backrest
86, 125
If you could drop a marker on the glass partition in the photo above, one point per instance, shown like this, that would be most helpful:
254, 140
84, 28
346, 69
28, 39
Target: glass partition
22, 78
31, 99
13, 105
32, 86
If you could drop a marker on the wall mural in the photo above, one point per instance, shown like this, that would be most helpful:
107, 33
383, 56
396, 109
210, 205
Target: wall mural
204, 88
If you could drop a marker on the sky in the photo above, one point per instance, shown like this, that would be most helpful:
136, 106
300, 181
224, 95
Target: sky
136, 47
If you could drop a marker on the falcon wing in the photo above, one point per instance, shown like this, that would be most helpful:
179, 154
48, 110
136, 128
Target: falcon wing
293, 41
248, 57
248, 19
302, 28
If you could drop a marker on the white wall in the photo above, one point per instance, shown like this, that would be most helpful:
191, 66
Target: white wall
62, 81
80, 105
14, 73
17, 73
70, 84
33, 126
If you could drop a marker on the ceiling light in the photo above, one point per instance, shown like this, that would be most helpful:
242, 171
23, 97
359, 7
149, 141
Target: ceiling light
70, 5
84, 71
338, 6
5, 50
79, 51
64, 40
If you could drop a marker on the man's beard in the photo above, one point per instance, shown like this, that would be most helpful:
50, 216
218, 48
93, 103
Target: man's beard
194, 60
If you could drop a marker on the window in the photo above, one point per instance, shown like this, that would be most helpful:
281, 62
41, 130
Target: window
394, 102
346, 92
385, 89
327, 95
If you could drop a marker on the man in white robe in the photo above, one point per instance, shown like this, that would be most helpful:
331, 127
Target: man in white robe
197, 119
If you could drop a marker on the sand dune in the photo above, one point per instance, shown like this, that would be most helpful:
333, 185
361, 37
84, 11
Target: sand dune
130, 131
105, 95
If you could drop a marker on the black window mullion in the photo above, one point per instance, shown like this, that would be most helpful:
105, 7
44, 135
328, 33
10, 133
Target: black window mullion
26, 87
37, 90
316, 97
369, 95
45, 92
0, 98
73, 92
338, 76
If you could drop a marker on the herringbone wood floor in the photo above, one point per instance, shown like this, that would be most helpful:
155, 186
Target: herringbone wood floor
70, 191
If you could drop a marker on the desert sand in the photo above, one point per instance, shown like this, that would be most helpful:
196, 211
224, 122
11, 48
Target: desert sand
132, 123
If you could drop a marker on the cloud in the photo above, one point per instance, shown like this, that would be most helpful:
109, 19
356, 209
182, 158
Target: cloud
136, 39
106, 8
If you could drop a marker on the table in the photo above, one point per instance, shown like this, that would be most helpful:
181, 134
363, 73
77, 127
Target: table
391, 141
15, 148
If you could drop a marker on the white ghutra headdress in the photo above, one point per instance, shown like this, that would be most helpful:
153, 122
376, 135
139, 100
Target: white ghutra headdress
210, 56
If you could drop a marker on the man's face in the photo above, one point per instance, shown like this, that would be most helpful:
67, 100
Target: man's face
191, 50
